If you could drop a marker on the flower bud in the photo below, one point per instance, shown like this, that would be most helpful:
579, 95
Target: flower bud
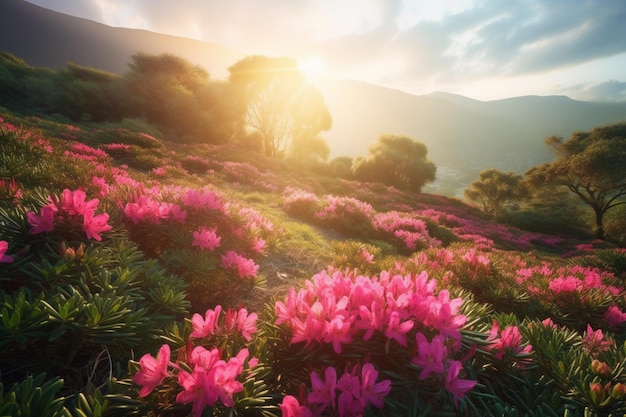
600, 368
597, 392
618, 391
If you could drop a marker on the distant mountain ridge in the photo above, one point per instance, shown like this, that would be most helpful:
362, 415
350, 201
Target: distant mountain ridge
463, 135
46, 38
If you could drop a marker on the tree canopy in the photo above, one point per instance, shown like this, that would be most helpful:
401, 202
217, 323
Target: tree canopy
592, 166
396, 160
494, 189
280, 104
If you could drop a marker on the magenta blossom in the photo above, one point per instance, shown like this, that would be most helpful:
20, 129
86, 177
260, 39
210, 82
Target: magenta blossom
3, 249
507, 341
595, 342
94, 225
44, 222
614, 316
208, 325
290, 407
206, 239
456, 386
153, 371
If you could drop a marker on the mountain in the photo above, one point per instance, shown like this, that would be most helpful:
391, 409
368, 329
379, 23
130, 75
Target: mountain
463, 136
45, 38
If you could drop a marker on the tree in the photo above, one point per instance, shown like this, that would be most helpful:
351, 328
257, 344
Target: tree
494, 189
396, 160
279, 103
178, 95
592, 166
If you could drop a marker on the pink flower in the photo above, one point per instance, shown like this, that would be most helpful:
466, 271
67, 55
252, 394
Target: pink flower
94, 225
44, 222
246, 323
508, 341
456, 386
4, 245
208, 325
205, 199
196, 389
245, 267
153, 371
206, 239
337, 332
430, 355
204, 358
373, 392
614, 316
73, 202
397, 330
323, 391
290, 407
595, 342
223, 374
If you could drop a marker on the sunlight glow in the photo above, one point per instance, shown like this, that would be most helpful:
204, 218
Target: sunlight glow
312, 67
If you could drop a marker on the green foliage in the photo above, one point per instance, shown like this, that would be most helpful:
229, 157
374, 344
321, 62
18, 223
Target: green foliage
34, 396
591, 166
22, 159
495, 189
352, 254
396, 160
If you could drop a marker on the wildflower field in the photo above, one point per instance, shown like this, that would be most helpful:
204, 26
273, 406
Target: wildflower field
140, 276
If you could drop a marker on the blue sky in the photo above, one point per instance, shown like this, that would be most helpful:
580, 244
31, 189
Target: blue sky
484, 49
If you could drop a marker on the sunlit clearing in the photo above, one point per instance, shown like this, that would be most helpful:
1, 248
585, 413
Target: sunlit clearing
312, 67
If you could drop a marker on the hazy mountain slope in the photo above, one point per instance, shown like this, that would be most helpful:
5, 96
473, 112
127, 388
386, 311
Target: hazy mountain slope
46, 38
463, 136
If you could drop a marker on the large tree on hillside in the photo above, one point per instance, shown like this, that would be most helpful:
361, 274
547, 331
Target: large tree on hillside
494, 189
592, 165
396, 160
280, 104
171, 92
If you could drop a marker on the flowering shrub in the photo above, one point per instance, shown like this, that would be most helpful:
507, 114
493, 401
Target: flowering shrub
212, 367
345, 318
68, 211
197, 232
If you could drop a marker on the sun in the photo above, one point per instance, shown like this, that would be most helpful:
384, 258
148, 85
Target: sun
312, 67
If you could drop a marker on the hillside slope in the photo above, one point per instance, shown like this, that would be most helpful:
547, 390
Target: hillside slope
463, 136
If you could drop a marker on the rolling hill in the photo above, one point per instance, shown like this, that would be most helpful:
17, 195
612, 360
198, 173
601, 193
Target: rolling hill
463, 136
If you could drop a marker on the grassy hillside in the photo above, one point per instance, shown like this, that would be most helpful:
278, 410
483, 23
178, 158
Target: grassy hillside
259, 276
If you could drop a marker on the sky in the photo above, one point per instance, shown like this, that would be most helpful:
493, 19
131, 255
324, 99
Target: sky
483, 49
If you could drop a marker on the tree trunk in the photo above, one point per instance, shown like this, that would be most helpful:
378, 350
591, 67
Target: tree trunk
599, 223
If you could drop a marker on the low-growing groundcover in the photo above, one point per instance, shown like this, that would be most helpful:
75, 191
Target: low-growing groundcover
137, 280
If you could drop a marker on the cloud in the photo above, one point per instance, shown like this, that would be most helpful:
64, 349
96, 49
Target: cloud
608, 91
393, 42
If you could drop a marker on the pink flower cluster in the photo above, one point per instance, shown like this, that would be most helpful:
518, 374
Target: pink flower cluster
212, 377
343, 307
245, 267
206, 238
344, 207
579, 278
69, 209
348, 396
238, 320
506, 342
408, 228
336, 309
